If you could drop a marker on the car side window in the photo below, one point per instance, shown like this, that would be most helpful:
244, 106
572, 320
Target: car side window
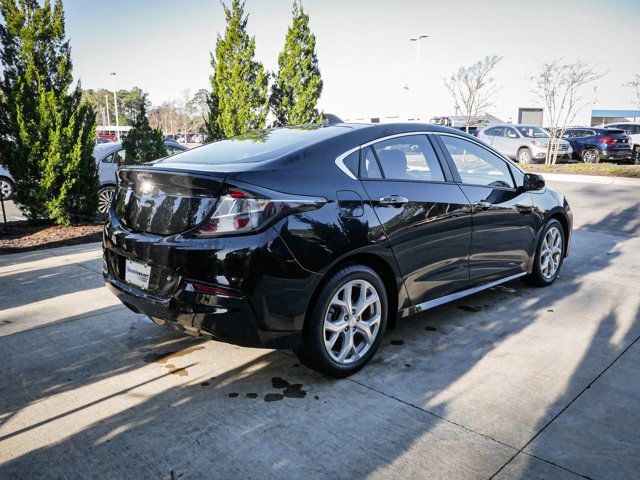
109, 158
352, 162
409, 157
172, 150
499, 132
477, 165
589, 133
633, 129
510, 132
490, 131
370, 167
120, 156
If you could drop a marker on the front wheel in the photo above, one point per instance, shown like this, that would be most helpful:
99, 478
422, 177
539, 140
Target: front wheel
346, 323
7, 188
549, 255
524, 155
105, 195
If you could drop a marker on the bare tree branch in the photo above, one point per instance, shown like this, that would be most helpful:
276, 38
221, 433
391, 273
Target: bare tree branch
472, 89
558, 86
635, 86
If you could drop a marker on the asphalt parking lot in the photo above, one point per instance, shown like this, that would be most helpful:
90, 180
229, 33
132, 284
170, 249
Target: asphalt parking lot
514, 382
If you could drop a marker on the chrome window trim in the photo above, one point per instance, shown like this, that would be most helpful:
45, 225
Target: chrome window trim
340, 163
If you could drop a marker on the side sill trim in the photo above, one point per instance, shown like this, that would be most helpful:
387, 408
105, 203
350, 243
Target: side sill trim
455, 296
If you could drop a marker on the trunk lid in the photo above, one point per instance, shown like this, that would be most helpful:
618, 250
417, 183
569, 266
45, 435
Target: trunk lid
165, 201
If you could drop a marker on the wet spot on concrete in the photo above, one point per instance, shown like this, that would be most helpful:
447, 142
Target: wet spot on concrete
430, 329
408, 365
295, 391
164, 357
7, 321
317, 397
468, 308
279, 383
234, 394
550, 310
273, 397
397, 342
252, 395
204, 384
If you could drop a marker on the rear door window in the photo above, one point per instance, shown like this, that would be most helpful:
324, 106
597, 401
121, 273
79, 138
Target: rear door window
409, 157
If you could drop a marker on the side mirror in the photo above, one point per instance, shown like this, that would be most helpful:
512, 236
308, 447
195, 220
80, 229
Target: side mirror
533, 181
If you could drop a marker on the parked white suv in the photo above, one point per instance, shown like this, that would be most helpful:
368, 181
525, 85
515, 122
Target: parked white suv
633, 130
524, 143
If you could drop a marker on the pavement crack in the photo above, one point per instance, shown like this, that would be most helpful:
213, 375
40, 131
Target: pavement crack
521, 450
409, 404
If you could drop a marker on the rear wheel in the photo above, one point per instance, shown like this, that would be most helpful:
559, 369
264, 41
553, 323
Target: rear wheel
590, 155
549, 255
524, 155
7, 188
105, 195
346, 323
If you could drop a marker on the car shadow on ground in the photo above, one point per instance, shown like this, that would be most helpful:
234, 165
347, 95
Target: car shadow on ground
260, 413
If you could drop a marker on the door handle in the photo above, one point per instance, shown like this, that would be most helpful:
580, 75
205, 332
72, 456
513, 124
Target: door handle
393, 200
482, 205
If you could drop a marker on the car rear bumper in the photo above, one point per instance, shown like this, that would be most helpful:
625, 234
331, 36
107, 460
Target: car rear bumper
264, 296
622, 154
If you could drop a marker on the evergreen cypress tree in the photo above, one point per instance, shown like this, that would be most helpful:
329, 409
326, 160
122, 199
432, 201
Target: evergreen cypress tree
298, 84
143, 143
239, 84
46, 131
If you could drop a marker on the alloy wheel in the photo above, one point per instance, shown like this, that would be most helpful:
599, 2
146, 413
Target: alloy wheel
525, 156
352, 321
551, 253
589, 156
104, 199
6, 189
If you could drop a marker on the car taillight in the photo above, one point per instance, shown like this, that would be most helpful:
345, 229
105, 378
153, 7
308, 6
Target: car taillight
239, 212
608, 140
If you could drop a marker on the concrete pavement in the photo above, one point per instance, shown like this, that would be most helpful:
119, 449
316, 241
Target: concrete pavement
514, 382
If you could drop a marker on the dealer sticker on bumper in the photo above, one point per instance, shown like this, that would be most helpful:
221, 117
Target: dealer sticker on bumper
137, 274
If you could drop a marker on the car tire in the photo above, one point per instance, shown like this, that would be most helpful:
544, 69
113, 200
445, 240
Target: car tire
590, 155
332, 332
105, 195
524, 156
549, 255
7, 188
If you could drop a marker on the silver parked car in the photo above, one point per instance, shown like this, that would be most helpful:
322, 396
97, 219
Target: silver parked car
524, 143
109, 156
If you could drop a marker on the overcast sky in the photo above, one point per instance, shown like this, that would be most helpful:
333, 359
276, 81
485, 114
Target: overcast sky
366, 59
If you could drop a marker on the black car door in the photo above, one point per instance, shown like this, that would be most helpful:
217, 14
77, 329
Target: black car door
504, 220
424, 213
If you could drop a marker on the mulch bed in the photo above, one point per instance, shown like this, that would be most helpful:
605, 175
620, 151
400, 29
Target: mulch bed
22, 236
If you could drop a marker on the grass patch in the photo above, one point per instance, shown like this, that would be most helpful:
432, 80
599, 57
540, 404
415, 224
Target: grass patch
598, 169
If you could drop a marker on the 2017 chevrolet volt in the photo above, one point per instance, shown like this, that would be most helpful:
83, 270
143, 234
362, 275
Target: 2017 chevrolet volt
317, 238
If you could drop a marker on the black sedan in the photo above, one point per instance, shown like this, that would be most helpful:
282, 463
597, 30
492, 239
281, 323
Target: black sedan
318, 238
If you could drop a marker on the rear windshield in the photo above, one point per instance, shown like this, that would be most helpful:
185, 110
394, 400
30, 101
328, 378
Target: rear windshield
613, 131
533, 132
255, 146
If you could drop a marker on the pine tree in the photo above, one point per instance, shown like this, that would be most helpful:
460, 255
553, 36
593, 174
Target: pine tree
298, 84
46, 130
239, 99
143, 143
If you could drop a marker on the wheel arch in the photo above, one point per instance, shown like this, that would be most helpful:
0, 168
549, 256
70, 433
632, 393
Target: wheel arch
564, 223
390, 279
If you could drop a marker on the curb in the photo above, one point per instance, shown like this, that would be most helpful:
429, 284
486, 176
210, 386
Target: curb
565, 177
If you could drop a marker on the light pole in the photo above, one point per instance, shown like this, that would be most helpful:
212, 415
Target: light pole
417, 39
115, 103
